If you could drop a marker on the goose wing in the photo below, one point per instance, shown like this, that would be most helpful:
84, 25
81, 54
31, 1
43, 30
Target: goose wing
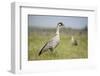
50, 44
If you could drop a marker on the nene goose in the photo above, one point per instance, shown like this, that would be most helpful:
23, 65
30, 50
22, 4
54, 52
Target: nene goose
51, 44
74, 41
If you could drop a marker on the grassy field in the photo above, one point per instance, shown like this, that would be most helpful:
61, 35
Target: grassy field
64, 50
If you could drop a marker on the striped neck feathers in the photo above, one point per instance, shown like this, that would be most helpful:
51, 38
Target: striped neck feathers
57, 30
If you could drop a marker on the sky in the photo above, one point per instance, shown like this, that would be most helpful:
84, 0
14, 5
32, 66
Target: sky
51, 21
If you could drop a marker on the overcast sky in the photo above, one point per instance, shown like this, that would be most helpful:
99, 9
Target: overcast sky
51, 21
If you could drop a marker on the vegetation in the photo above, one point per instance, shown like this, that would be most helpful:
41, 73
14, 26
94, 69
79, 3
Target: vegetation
38, 37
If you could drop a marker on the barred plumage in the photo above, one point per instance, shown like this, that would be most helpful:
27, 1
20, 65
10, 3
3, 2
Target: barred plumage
51, 44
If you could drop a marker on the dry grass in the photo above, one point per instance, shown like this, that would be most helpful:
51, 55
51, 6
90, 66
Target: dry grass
64, 50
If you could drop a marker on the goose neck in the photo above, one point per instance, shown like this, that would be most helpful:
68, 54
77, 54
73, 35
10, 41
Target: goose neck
57, 30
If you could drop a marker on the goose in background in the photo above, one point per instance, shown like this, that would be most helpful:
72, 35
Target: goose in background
74, 41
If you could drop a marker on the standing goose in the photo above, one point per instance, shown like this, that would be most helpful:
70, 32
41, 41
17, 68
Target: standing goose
74, 41
51, 44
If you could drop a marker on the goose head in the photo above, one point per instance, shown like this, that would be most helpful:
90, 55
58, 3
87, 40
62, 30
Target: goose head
60, 24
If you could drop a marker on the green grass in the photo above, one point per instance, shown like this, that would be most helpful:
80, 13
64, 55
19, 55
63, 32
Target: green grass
63, 51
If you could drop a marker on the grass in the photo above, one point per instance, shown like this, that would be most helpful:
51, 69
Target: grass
63, 51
